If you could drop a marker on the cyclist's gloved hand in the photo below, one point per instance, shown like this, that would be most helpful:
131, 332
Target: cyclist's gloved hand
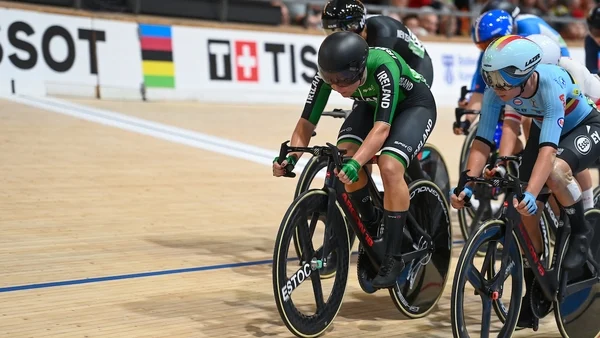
458, 199
286, 167
349, 173
527, 206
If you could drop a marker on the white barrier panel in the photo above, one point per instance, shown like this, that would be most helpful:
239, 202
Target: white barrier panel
244, 66
53, 48
119, 59
54, 54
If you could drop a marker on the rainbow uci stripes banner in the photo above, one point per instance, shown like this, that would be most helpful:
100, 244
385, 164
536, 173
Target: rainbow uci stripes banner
157, 56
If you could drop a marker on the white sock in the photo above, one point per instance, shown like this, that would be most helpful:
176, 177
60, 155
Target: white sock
588, 199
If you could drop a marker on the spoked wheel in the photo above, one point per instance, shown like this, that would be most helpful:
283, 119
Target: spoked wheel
472, 298
432, 162
306, 303
422, 282
316, 166
577, 315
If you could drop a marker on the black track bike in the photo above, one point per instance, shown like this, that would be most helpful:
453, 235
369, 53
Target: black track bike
307, 303
573, 296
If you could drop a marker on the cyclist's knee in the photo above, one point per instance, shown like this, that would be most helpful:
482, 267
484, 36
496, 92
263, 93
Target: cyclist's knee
392, 169
563, 184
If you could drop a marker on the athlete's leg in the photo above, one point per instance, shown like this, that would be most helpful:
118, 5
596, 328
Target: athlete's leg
409, 132
526, 121
510, 137
514, 121
531, 223
530, 154
352, 134
579, 151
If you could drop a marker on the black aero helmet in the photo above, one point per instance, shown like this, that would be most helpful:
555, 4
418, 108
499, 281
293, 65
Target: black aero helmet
343, 15
507, 6
342, 58
593, 19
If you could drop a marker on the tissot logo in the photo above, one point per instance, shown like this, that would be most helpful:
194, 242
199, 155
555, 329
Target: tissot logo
251, 61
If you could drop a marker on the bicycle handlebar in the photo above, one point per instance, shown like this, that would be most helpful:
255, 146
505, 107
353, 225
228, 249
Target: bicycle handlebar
330, 150
511, 183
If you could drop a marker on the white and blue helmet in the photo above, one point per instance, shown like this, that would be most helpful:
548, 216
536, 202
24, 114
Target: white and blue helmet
509, 61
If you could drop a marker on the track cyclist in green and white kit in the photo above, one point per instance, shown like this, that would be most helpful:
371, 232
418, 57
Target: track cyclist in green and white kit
403, 118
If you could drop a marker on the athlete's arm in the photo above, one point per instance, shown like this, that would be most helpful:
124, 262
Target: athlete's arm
388, 80
313, 108
551, 129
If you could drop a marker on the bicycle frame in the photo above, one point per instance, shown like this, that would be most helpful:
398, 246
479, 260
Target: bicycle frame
336, 192
547, 278
375, 247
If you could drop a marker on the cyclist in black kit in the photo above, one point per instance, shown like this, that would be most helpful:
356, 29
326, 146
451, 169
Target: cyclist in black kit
378, 31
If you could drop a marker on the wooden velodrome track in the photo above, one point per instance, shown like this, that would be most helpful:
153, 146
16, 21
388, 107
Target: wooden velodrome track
111, 228
113, 232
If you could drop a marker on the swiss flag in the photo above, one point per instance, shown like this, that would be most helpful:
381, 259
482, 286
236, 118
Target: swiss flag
246, 61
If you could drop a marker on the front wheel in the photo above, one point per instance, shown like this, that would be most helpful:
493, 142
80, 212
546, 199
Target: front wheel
306, 303
473, 286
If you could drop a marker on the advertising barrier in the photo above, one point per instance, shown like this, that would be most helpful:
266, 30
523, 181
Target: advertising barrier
49, 54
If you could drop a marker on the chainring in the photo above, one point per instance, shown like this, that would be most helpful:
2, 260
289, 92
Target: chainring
365, 271
540, 306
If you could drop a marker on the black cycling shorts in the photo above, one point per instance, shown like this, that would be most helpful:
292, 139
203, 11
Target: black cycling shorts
579, 147
409, 130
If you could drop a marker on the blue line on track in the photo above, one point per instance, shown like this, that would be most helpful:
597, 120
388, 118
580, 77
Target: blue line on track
142, 274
